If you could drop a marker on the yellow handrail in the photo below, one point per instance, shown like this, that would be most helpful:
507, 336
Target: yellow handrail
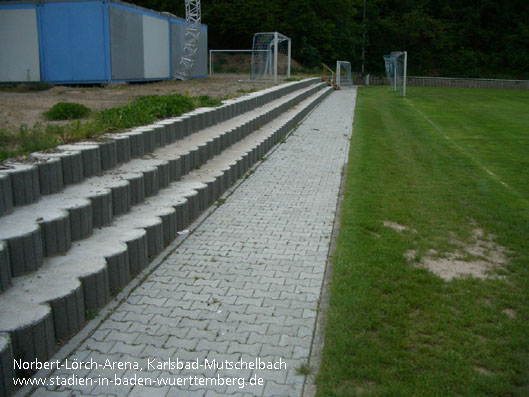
331, 80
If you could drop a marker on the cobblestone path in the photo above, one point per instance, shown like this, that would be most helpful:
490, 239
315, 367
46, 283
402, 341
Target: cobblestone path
241, 292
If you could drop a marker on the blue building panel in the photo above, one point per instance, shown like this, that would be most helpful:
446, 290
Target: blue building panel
74, 39
91, 41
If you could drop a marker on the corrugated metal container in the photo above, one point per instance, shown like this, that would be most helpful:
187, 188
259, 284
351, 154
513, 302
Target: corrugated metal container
91, 41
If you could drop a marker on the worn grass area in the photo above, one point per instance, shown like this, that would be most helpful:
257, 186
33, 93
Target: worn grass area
442, 162
142, 111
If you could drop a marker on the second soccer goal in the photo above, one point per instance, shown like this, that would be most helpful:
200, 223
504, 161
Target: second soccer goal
396, 68
270, 56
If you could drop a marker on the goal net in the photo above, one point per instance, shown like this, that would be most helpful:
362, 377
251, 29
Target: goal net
396, 65
230, 61
343, 74
270, 56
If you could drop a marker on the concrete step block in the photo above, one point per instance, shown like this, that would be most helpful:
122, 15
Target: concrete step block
91, 156
109, 153
68, 313
202, 153
30, 330
24, 243
169, 199
195, 157
71, 164
7, 372
179, 128
169, 130
186, 125
5, 267
160, 135
123, 147
25, 185
210, 149
50, 175
186, 162
6, 194
175, 168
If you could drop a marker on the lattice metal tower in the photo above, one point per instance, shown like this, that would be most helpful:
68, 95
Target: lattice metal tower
190, 40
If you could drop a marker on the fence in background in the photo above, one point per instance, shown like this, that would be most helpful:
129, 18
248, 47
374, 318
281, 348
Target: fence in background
446, 82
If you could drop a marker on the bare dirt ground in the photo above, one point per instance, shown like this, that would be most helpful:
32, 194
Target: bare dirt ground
19, 107
478, 258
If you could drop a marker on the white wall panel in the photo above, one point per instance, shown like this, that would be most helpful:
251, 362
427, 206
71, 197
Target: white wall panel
19, 45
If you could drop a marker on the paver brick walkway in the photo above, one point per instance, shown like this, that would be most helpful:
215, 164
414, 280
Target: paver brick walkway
244, 286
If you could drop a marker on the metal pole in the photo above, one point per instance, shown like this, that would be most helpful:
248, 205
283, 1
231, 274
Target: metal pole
275, 57
210, 63
289, 54
405, 73
394, 78
364, 38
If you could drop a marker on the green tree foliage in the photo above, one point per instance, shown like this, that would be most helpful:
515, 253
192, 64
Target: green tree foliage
473, 38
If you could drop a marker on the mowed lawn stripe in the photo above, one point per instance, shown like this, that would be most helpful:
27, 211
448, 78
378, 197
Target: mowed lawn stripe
397, 329
491, 125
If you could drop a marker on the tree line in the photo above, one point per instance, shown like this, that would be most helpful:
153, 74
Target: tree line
452, 38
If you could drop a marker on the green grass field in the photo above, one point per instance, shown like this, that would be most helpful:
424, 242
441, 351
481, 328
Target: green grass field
444, 163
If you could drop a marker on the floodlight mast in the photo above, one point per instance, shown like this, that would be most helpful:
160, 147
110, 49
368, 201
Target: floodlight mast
187, 60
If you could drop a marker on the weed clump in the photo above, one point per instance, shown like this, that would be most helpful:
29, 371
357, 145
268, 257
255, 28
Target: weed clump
67, 111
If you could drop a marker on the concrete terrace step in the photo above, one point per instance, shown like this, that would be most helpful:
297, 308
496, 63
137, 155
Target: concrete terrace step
6, 365
49, 226
49, 303
48, 172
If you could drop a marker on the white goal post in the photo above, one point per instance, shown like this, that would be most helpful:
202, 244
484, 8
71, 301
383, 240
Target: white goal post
396, 70
343, 74
271, 53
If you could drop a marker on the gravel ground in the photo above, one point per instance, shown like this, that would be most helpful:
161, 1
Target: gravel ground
19, 107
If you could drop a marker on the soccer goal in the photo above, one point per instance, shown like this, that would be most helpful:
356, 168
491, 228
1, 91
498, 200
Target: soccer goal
396, 65
343, 74
270, 56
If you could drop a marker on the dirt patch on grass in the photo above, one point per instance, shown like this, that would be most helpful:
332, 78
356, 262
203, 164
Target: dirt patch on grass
478, 258
483, 371
26, 107
509, 313
395, 226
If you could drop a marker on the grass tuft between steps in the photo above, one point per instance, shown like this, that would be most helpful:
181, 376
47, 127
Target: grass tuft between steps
142, 111
425, 172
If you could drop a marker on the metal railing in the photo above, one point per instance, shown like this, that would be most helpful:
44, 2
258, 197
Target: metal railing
329, 76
